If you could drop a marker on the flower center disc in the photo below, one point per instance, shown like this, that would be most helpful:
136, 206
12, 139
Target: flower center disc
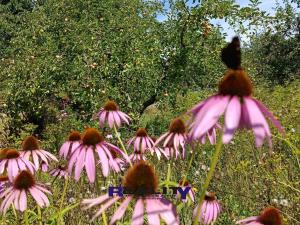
211, 196
92, 136
186, 183
270, 216
235, 83
177, 126
141, 179
74, 136
110, 106
24, 180
30, 143
12, 154
141, 132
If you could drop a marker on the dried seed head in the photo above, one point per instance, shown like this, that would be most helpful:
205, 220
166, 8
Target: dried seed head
177, 126
12, 154
141, 179
210, 196
141, 132
92, 136
74, 136
236, 83
270, 216
24, 180
30, 143
110, 106
231, 54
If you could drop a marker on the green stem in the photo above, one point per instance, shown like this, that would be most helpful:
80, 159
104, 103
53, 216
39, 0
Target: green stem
121, 143
168, 174
189, 166
104, 218
62, 200
39, 215
210, 174
26, 217
15, 213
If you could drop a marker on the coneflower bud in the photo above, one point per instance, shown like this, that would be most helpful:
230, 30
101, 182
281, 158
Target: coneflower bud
92, 136
24, 180
30, 143
110, 106
177, 126
141, 132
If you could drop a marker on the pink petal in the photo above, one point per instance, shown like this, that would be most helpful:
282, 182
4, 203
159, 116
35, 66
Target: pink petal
138, 213
168, 213
209, 115
105, 206
152, 212
79, 164
120, 211
232, 118
90, 165
103, 160
23, 201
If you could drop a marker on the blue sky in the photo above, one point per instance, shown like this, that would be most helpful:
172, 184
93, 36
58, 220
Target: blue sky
266, 5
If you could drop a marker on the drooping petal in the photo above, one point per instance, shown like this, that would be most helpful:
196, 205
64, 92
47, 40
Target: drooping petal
232, 118
138, 213
120, 211
152, 212
90, 165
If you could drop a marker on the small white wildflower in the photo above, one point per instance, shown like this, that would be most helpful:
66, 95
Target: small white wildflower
197, 172
293, 130
203, 167
109, 136
71, 200
284, 202
275, 201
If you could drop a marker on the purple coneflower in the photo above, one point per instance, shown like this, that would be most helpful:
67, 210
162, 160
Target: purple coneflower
60, 171
111, 114
269, 216
235, 102
84, 156
13, 163
31, 148
142, 181
17, 194
210, 209
70, 145
191, 194
141, 141
175, 137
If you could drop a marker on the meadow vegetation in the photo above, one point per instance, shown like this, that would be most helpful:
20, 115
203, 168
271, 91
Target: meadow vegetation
62, 60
